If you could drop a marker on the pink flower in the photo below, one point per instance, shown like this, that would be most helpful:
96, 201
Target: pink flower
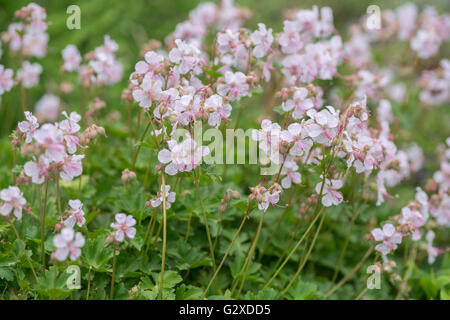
426, 43
292, 176
235, 86
47, 108
70, 127
184, 156
415, 219
289, 39
262, 40
72, 167
124, 227
218, 110
107, 69
432, 251
51, 138
187, 57
6, 79
68, 243
299, 102
29, 74
269, 139
151, 63
298, 135
71, 57
323, 125
29, 126
269, 198
149, 90
38, 171
76, 214
329, 194
12, 200
406, 19
389, 237
170, 198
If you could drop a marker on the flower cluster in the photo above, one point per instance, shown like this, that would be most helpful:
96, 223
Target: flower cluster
436, 84
101, 66
29, 35
53, 147
422, 214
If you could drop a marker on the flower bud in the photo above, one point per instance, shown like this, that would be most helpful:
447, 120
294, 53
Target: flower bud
128, 176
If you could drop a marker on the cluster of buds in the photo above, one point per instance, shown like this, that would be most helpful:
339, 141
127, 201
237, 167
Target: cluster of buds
128, 176
229, 194
265, 196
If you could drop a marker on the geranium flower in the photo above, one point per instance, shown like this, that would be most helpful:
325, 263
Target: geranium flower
170, 198
389, 237
184, 156
299, 102
6, 79
37, 170
29, 126
29, 74
123, 227
76, 214
71, 57
262, 40
12, 200
329, 194
68, 244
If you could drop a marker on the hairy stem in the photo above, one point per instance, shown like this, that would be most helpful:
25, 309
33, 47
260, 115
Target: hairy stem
164, 238
111, 295
348, 275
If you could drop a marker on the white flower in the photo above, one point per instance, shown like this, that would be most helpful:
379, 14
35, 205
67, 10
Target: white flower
12, 201
389, 237
76, 214
124, 227
170, 198
329, 194
68, 243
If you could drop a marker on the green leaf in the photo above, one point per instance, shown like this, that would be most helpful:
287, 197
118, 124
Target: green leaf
171, 279
303, 290
53, 283
96, 255
184, 292
6, 274
279, 110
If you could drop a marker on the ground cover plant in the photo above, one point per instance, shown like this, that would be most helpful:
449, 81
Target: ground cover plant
232, 159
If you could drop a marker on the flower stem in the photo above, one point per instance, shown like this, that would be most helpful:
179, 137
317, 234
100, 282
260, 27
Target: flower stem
292, 251
188, 231
297, 274
205, 219
14, 165
163, 260
226, 253
58, 195
348, 275
133, 163
43, 209
148, 236
111, 295
89, 284
250, 255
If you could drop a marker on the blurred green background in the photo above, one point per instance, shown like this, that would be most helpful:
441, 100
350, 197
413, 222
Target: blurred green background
133, 22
